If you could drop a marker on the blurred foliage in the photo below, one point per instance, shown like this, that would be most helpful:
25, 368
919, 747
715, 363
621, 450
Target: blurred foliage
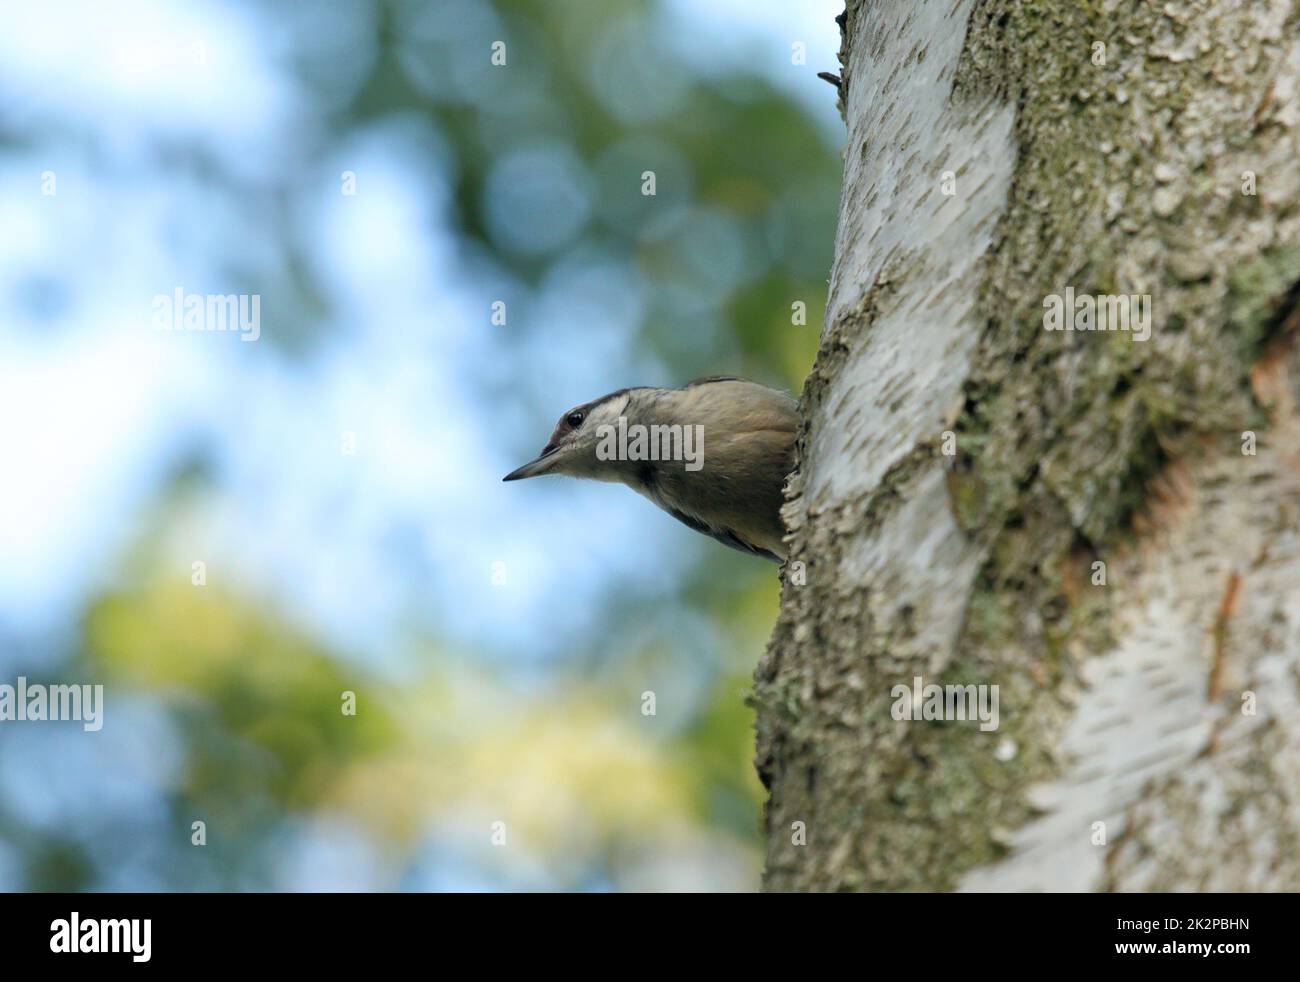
270, 713
596, 794
740, 225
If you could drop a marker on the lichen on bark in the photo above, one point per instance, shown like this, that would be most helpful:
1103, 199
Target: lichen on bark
1127, 177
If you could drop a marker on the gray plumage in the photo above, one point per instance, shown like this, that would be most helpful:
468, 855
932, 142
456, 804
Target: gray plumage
724, 476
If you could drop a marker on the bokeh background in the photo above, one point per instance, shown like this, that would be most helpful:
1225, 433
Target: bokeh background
340, 478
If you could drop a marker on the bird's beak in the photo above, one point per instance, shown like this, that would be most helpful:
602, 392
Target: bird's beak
534, 468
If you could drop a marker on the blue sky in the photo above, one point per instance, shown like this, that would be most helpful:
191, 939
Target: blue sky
398, 539
99, 408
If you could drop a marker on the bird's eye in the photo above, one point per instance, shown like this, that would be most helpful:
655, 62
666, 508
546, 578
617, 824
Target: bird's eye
575, 418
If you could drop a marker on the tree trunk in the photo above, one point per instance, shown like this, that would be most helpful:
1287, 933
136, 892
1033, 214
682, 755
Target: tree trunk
1074, 517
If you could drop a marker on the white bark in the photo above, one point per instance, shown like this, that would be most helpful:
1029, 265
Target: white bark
899, 389
1122, 704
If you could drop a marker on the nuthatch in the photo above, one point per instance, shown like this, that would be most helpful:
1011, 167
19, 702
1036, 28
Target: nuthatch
714, 454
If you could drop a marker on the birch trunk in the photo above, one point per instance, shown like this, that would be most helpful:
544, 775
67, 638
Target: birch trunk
966, 478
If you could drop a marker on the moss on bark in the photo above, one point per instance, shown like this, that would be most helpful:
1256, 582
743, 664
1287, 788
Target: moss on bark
1128, 180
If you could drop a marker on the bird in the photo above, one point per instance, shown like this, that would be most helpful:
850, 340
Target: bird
714, 454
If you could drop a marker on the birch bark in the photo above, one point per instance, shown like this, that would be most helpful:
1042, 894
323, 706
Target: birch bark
1075, 517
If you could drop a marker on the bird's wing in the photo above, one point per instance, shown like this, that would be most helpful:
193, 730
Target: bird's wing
727, 537
713, 378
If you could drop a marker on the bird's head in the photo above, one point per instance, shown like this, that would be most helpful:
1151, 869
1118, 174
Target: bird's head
571, 449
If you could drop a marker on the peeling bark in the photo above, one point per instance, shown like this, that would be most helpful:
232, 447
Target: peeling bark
1124, 707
